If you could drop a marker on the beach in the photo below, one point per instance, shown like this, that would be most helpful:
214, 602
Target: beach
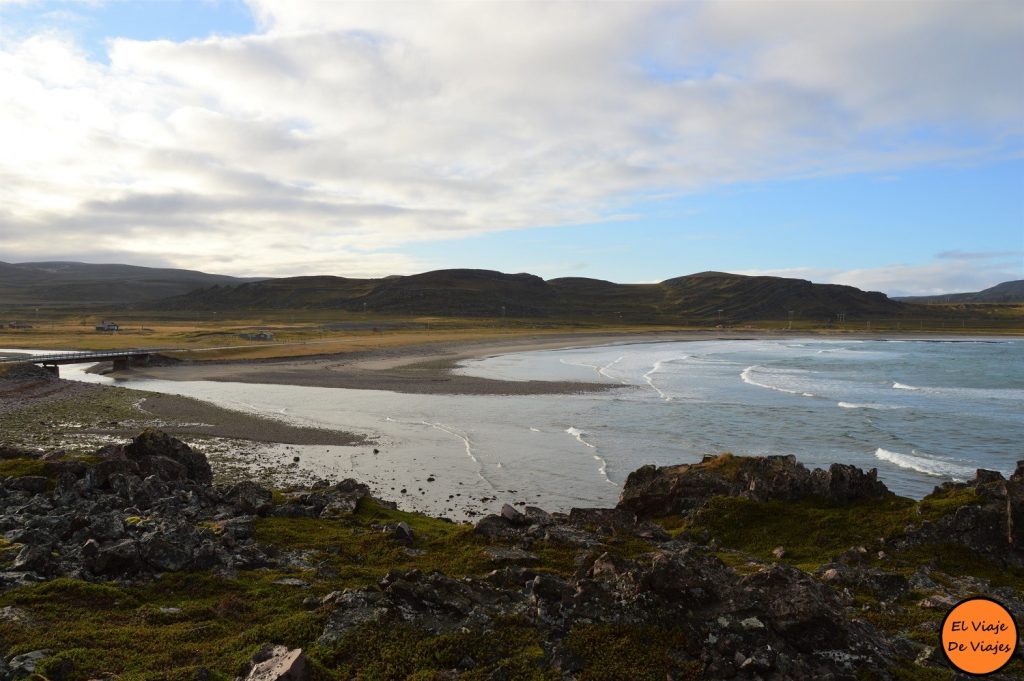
423, 368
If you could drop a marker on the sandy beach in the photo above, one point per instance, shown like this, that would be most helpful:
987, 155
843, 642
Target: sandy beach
419, 369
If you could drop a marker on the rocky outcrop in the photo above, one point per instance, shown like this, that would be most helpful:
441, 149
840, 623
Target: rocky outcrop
989, 521
776, 623
143, 508
651, 491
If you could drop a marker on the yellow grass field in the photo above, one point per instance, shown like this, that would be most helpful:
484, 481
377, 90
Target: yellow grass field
314, 332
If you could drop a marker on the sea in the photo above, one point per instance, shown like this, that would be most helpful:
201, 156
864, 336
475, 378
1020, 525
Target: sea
920, 411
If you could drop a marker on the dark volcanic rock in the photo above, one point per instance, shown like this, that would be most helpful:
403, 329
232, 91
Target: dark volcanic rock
152, 449
991, 523
250, 497
651, 491
144, 508
777, 609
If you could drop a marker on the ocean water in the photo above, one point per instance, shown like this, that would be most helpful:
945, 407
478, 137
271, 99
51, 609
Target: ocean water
921, 412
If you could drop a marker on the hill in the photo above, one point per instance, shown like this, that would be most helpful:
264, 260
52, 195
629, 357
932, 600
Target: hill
484, 293
1007, 292
83, 283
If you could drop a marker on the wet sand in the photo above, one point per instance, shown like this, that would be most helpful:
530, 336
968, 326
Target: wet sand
181, 416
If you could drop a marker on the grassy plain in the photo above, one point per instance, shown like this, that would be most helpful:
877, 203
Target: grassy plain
298, 333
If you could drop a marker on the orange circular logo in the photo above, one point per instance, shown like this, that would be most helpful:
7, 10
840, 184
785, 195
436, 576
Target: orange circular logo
979, 636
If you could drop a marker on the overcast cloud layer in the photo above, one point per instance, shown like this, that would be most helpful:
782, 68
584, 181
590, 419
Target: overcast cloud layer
341, 134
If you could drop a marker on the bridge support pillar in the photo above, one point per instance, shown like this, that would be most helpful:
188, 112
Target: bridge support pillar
122, 364
53, 369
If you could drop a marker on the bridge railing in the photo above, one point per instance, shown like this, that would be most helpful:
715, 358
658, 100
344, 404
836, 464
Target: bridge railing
73, 357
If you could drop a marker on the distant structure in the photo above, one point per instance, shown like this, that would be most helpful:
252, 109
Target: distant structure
108, 327
18, 325
257, 335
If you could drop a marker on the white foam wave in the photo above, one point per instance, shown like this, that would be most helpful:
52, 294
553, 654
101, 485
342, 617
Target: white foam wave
745, 376
925, 464
647, 377
579, 364
578, 434
534, 430
866, 405
604, 370
468, 445
965, 393
602, 468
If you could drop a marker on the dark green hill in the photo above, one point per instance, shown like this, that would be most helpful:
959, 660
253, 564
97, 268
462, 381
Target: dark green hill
1007, 292
47, 283
484, 293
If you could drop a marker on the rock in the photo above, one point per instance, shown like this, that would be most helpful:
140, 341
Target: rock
21, 666
250, 498
779, 552
494, 526
152, 448
292, 581
281, 665
513, 516
403, 534
28, 483
512, 555
604, 520
339, 509
90, 549
119, 558
937, 602
10, 613
34, 558
651, 491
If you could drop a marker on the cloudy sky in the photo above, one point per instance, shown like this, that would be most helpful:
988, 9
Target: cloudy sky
874, 143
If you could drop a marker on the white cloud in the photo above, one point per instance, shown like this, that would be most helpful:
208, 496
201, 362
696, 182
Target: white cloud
949, 272
344, 129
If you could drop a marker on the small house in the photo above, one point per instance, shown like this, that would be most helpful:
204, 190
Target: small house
257, 335
109, 327
19, 325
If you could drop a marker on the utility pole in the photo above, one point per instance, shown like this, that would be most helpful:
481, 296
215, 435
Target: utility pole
790, 320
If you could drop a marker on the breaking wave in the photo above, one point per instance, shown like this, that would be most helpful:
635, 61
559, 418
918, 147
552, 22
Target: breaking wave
927, 465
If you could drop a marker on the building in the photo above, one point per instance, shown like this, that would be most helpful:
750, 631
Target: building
19, 325
257, 335
109, 327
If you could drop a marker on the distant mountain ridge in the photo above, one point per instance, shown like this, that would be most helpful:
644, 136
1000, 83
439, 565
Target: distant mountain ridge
486, 293
1006, 292
75, 282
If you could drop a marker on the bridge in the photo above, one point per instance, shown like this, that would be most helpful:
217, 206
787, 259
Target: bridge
122, 359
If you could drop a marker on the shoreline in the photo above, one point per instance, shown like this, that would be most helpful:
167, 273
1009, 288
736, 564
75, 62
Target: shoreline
425, 368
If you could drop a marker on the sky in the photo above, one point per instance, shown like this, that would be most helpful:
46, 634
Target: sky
874, 143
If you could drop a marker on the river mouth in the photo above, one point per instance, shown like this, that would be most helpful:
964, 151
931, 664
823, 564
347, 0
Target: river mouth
921, 412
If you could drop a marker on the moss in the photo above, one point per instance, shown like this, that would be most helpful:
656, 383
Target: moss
361, 554
726, 465
959, 560
16, 468
129, 631
614, 652
942, 502
811, 531
381, 652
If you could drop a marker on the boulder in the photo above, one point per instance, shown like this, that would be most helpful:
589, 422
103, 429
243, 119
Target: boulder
278, 663
153, 449
250, 498
21, 666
